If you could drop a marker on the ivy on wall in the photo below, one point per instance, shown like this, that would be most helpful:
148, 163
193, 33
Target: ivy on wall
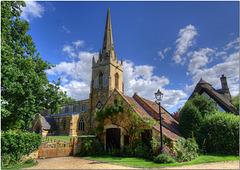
125, 117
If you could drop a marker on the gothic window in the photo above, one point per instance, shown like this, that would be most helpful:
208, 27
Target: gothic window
100, 79
116, 80
84, 107
116, 103
66, 109
81, 124
75, 108
64, 124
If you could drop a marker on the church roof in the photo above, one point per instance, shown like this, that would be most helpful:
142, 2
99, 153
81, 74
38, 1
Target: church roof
70, 113
149, 109
48, 123
223, 98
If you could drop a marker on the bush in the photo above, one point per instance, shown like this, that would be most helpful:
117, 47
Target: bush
221, 132
128, 151
142, 151
204, 105
16, 145
185, 150
164, 158
190, 120
29, 161
91, 148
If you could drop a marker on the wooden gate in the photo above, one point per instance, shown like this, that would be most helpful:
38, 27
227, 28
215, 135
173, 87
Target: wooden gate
57, 149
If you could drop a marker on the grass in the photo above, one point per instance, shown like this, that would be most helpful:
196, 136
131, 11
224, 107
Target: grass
20, 166
140, 162
64, 138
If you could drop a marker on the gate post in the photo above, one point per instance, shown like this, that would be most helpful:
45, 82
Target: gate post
40, 150
57, 148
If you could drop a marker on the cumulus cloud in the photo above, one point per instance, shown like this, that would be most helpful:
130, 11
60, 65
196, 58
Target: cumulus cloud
32, 10
166, 49
78, 43
199, 59
229, 67
140, 79
69, 50
185, 40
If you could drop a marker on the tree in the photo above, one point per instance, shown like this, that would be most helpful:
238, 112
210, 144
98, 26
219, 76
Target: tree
25, 88
190, 120
204, 105
235, 102
66, 99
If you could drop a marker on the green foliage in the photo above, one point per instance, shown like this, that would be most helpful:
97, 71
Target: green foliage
204, 105
64, 99
235, 102
25, 89
164, 158
190, 120
91, 148
221, 132
128, 151
142, 151
117, 114
185, 150
16, 145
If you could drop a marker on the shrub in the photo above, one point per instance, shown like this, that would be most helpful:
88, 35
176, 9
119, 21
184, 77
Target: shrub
29, 161
91, 148
164, 158
190, 120
204, 105
185, 150
128, 151
16, 145
142, 151
221, 132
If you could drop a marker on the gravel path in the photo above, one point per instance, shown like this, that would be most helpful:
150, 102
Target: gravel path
79, 163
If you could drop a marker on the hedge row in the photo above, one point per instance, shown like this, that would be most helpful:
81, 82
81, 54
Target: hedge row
16, 145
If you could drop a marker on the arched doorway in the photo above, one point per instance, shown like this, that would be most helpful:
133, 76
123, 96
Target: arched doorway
113, 136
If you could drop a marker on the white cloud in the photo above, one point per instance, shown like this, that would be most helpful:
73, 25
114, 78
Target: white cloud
199, 59
69, 50
140, 79
221, 53
229, 67
160, 54
185, 41
166, 49
32, 10
65, 29
232, 44
78, 43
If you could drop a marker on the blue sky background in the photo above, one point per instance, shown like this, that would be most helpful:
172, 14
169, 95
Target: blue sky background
166, 45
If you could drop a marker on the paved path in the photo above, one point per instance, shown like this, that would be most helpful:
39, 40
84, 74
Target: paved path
79, 163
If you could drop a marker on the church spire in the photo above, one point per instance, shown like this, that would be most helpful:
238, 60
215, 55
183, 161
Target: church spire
108, 48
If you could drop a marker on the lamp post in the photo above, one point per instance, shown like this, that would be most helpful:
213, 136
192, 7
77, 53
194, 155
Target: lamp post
159, 96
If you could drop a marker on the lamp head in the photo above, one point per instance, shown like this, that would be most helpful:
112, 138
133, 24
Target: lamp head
159, 95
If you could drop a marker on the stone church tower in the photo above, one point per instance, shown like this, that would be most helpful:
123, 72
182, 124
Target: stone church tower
107, 73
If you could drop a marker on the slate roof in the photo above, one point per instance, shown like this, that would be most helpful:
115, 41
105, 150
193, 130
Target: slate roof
223, 98
70, 113
169, 124
48, 123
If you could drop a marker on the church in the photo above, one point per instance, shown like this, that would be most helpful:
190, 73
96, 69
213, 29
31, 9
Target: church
107, 87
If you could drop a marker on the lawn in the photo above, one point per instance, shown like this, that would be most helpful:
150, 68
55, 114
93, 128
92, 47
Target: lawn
21, 166
64, 138
140, 162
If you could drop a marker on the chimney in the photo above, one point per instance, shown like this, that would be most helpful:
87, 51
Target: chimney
224, 83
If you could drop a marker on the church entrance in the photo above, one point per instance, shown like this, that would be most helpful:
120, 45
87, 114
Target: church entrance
113, 136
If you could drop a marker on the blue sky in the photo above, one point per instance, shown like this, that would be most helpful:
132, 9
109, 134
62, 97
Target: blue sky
166, 45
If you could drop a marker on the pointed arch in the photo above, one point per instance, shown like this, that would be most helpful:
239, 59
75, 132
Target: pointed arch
116, 81
81, 124
100, 79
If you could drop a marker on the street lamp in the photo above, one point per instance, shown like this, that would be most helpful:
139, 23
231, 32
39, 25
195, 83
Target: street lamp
159, 96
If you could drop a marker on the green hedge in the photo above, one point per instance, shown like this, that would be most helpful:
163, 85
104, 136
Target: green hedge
220, 133
16, 145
